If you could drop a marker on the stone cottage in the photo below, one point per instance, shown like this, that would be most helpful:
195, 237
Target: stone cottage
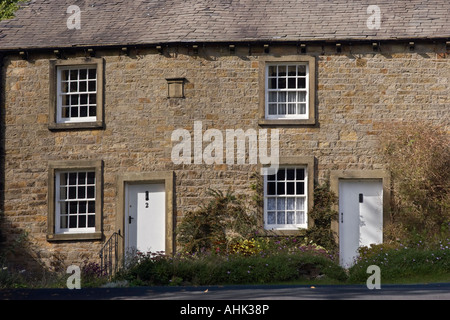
117, 116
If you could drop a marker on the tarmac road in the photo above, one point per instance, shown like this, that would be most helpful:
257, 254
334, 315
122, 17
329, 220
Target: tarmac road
440, 291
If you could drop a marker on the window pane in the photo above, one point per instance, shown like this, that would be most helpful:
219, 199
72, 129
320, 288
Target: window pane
74, 112
290, 217
91, 221
302, 70
92, 86
74, 100
72, 221
292, 108
290, 203
272, 83
73, 86
282, 71
81, 177
82, 221
302, 108
82, 207
271, 204
280, 188
280, 218
92, 111
73, 74
292, 71
91, 206
271, 177
290, 174
300, 203
300, 217
281, 174
300, 174
272, 71
73, 208
72, 192
63, 221
62, 193
92, 73
93, 99
300, 188
292, 83
271, 188
282, 108
83, 99
83, 111
90, 192
65, 75
281, 204
281, 83
301, 83
271, 218
91, 178
273, 96
83, 74
63, 207
302, 96
290, 186
82, 192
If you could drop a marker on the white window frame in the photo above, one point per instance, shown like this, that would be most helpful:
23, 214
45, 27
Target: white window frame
60, 94
297, 116
286, 226
58, 201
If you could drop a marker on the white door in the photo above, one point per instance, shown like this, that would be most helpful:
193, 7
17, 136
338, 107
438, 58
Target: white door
360, 217
145, 218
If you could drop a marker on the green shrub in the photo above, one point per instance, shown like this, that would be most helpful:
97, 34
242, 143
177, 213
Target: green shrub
399, 263
211, 269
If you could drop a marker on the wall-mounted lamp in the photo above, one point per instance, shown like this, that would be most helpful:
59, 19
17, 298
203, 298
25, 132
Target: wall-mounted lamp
232, 48
195, 49
338, 47
411, 46
90, 52
58, 53
266, 48
303, 47
23, 55
375, 46
125, 51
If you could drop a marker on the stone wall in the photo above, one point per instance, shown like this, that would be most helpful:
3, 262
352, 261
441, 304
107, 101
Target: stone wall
358, 92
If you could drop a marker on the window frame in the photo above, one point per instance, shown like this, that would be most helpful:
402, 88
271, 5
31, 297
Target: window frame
305, 196
309, 163
309, 119
56, 168
296, 116
55, 109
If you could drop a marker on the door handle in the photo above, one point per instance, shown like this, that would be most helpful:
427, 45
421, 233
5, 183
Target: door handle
342, 217
130, 218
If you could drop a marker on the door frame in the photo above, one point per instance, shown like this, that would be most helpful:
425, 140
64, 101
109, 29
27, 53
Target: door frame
156, 177
384, 175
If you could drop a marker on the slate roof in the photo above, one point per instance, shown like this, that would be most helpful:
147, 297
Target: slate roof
42, 23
